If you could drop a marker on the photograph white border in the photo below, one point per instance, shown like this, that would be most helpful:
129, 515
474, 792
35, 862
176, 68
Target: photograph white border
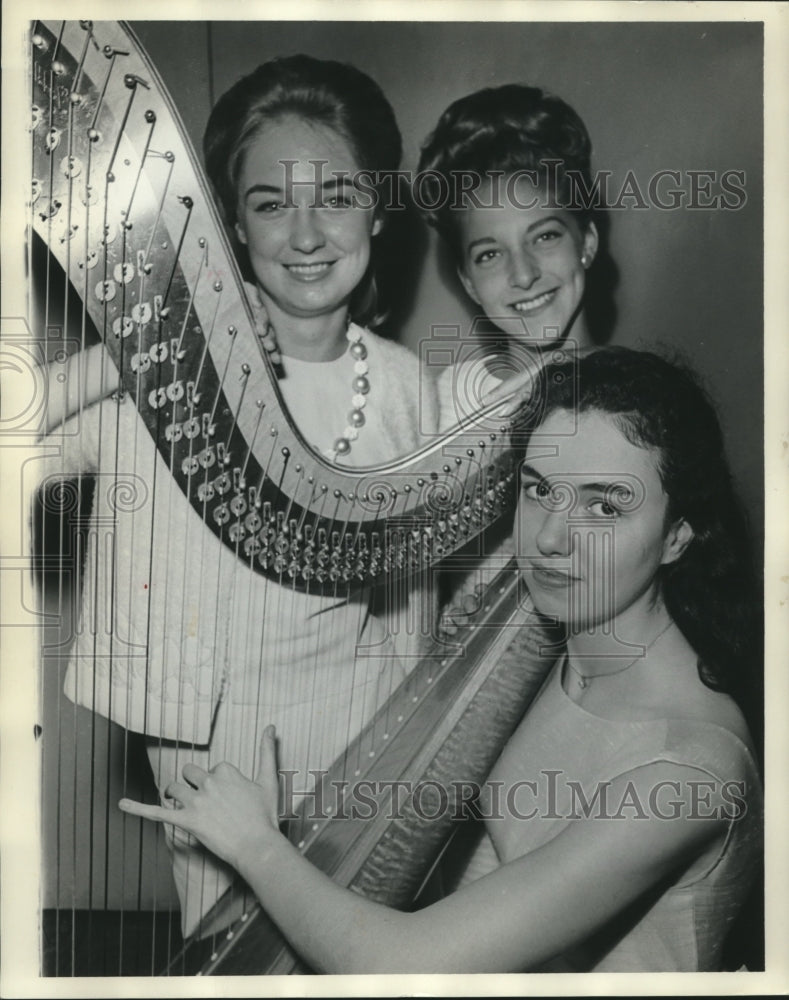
19, 783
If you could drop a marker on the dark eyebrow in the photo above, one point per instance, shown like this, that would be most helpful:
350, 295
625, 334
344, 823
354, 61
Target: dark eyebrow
331, 183
527, 472
263, 189
529, 229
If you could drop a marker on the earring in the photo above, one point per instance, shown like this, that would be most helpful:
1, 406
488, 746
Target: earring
585, 260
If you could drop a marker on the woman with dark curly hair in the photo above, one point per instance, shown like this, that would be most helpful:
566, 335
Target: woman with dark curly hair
623, 817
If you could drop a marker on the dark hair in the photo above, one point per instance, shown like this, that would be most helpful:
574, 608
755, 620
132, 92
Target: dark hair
710, 591
504, 130
322, 91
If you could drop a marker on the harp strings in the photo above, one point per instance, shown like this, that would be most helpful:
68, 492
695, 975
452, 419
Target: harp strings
173, 318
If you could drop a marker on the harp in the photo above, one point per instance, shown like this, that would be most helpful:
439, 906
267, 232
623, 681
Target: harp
125, 239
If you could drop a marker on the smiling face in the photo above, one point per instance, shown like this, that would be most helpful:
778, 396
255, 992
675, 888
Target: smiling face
308, 245
522, 263
592, 531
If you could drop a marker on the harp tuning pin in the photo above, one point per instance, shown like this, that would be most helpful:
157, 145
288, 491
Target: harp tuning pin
169, 156
75, 98
93, 135
58, 68
86, 25
150, 116
39, 42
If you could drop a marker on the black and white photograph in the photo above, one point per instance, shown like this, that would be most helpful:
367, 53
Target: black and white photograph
394, 441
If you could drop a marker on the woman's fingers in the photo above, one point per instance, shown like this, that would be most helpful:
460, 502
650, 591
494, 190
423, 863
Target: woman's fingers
224, 810
267, 776
179, 792
520, 384
194, 775
512, 393
89, 376
267, 755
158, 813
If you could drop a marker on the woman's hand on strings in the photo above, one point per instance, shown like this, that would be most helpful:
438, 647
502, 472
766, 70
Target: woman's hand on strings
513, 392
82, 379
227, 812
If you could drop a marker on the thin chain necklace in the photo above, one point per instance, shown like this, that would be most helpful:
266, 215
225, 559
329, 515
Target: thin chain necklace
360, 385
585, 679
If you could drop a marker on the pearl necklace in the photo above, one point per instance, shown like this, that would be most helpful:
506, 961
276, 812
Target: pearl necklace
361, 387
585, 679
360, 384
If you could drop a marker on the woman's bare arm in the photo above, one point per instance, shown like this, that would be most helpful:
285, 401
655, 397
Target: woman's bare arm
513, 919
